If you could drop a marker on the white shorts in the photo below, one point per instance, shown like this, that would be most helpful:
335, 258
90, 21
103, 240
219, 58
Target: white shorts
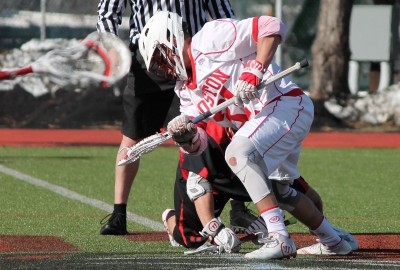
278, 131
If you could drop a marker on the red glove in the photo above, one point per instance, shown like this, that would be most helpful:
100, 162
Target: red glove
246, 86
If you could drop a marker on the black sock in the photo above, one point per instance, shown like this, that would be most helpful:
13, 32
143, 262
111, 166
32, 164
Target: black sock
120, 208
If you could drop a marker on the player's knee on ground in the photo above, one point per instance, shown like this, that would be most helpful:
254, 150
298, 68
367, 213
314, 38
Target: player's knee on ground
286, 196
246, 162
189, 238
197, 186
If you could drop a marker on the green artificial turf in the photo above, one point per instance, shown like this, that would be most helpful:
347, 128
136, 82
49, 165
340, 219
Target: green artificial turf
359, 188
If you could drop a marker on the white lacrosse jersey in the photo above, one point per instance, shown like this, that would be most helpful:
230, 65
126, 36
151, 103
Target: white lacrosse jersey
219, 53
276, 122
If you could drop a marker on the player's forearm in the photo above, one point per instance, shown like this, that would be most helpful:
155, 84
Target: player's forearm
205, 208
266, 48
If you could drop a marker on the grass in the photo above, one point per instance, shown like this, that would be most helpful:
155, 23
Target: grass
359, 188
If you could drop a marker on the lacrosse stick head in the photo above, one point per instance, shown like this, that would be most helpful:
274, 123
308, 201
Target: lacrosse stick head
144, 146
109, 56
161, 45
99, 59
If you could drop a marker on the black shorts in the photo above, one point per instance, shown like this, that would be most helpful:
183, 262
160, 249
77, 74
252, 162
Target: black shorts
225, 186
149, 102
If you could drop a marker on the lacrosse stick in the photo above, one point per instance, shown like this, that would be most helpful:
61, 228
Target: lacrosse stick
99, 58
150, 143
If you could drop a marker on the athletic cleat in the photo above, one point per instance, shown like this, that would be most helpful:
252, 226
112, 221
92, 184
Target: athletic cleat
241, 217
276, 246
164, 219
115, 225
348, 238
341, 248
259, 229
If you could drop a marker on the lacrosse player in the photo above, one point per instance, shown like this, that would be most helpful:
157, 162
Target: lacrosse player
204, 183
227, 59
149, 101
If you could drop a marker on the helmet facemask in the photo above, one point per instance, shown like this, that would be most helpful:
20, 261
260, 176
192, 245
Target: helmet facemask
164, 63
161, 45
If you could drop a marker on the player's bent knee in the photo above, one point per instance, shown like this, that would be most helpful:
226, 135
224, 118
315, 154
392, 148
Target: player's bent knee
239, 153
197, 186
232, 161
245, 161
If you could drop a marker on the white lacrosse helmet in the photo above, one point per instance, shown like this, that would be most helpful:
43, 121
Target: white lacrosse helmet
161, 45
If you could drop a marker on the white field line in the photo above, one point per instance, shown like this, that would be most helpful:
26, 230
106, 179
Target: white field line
236, 262
155, 226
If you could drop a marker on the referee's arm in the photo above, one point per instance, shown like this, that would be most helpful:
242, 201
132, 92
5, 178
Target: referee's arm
110, 15
220, 9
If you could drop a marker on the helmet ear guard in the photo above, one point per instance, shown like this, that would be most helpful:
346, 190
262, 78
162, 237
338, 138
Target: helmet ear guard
161, 45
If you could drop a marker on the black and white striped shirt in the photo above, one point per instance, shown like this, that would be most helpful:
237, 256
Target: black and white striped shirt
194, 12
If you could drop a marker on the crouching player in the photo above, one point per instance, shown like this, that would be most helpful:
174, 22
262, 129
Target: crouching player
204, 184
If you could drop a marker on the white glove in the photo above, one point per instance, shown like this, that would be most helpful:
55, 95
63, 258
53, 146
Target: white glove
228, 240
221, 236
183, 131
246, 86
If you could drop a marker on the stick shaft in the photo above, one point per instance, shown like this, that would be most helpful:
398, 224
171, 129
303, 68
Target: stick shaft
5, 75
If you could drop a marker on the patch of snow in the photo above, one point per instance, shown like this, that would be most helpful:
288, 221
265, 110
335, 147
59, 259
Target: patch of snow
375, 109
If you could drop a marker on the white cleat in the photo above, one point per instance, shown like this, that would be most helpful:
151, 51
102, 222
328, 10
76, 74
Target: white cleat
164, 219
276, 246
341, 248
348, 238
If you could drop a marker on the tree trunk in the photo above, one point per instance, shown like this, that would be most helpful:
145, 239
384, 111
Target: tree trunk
331, 51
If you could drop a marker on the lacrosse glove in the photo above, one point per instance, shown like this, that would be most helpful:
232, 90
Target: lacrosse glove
184, 133
221, 236
246, 86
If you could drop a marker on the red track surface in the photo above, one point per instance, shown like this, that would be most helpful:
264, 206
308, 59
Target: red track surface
60, 137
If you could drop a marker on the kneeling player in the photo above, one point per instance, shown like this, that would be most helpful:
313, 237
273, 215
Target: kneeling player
203, 186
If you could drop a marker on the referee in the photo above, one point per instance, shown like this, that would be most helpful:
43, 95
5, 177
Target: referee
149, 102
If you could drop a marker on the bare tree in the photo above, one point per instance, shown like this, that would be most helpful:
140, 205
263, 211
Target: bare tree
331, 52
